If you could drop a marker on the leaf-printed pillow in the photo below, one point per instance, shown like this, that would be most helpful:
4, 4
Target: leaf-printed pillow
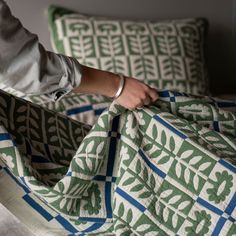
164, 54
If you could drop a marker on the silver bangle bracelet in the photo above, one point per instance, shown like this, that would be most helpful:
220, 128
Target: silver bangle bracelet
121, 86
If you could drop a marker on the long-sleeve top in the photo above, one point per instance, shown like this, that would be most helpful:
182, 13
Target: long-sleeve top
26, 66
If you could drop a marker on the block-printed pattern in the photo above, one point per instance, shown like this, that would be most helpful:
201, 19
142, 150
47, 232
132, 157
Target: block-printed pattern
165, 54
165, 169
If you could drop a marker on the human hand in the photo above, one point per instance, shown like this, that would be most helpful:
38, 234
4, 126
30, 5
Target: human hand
136, 94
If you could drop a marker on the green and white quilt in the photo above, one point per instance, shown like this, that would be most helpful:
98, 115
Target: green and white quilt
166, 169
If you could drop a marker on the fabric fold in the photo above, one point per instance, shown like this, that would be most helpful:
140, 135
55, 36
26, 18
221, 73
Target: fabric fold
164, 168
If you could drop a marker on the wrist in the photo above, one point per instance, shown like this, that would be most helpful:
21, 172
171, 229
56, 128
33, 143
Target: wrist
121, 86
98, 82
113, 84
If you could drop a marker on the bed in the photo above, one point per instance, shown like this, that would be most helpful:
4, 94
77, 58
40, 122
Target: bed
87, 166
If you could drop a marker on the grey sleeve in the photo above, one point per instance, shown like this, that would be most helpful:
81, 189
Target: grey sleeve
26, 66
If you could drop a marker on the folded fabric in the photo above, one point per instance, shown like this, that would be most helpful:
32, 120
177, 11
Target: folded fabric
84, 108
166, 169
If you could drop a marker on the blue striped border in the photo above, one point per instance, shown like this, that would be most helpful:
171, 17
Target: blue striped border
218, 211
93, 219
171, 128
222, 220
227, 165
5, 136
108, 199
232, 204
66, 224
164, 94
219, 226
16, 180
209, 206
103, 178
37, 207
100, 177
226, 104
93, 227
112, 147
216, 126
78, 110
130, 199
168, 94
152, 166
23, 181
99, 111
110, 166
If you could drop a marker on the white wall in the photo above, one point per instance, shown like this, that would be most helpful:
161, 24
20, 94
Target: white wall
221, 51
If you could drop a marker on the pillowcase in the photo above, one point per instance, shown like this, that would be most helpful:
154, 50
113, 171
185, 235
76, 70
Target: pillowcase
164, 54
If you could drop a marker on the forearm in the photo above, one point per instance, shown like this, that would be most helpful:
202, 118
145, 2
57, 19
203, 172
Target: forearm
134, 93
98, 82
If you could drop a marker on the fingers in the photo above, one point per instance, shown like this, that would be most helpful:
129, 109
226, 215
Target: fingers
150, 96
137, 94
144, 102
153, 94
147, 100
